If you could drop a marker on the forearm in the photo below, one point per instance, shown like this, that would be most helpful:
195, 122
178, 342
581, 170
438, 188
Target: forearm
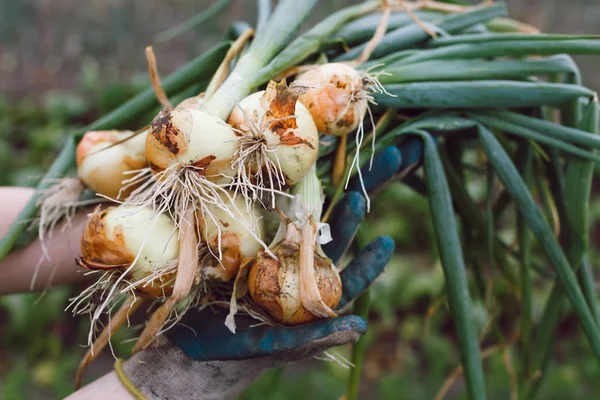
18, 268
107, 387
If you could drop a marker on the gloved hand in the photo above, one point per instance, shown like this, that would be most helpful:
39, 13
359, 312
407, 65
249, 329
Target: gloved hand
209, 362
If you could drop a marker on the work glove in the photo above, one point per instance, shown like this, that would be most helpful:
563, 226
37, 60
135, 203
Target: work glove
201, 358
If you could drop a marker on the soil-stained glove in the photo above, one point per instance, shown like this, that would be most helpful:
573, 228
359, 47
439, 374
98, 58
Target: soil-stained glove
201, 359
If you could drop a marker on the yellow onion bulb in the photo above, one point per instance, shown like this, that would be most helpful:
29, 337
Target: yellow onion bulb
335, 97
117, 236
275, 284
101, 165
237, 232
193, 137
292, 143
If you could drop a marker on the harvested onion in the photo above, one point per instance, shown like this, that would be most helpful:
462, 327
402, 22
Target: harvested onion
336, 97
191, 137
279, 141
102, 164
301, 284
116, 237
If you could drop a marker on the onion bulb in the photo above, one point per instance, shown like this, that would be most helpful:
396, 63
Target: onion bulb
115, 237
235, 231
336, 97
101, 164
278, 139
301, 284
191, 137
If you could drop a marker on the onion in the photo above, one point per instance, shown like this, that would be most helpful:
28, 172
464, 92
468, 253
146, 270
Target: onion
191, 137
135, 241
235, 233
101, 164
276, 284
301, 284
278, 139
336, 97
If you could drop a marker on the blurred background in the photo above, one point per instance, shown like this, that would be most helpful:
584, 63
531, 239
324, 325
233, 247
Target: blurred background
63, 63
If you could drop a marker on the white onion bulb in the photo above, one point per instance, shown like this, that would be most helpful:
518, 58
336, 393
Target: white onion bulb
102, 167
335, 97
185, 136
118, 236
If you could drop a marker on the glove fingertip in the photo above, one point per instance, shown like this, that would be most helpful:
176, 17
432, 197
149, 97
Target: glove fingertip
350, 323
412, 151
365, 268
344, 223
355, 204
385, 244
385, 164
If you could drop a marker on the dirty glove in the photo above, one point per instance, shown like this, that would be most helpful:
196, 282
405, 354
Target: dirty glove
201, 359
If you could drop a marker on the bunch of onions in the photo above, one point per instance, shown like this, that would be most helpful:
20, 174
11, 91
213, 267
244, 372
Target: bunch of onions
231, 239
104, 157
278, 140
140, 246
301, 284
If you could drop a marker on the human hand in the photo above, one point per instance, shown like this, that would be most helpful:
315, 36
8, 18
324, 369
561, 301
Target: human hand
201, 357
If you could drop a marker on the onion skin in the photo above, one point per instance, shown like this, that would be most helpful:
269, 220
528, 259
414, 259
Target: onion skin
275, 284
194, 102
105, 248
193, 137
103, 170
333, 103
96, 247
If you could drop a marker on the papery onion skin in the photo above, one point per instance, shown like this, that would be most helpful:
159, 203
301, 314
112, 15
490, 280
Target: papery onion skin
101, 168
191, 137
237, 243
114, 236
194, 102
275, 284
332, 97
295, 150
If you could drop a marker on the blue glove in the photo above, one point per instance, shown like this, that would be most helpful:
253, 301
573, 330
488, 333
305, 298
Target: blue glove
209, 362
389, 162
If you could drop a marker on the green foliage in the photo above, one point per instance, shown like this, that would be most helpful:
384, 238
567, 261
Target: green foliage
466, 282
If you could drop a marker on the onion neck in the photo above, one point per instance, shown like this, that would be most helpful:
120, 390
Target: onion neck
306, 205
276, 34
308, 196
236, 87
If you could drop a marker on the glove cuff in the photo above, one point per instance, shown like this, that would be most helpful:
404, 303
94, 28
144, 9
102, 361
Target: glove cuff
165, 372
126, 382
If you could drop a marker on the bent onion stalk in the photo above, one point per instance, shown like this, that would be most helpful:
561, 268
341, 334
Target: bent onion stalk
301, 284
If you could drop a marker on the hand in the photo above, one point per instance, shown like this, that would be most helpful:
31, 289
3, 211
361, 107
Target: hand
202, 358
25, 269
